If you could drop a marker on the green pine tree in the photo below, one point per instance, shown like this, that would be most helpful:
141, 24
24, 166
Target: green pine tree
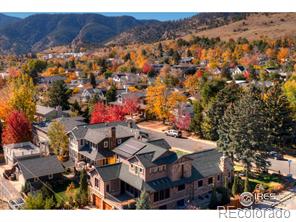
244, 131
280, 118
59, 95
213, 201
246, 183
234, 189
92, 80
82, 195
215, 112
196, 120
111, 94
143, 202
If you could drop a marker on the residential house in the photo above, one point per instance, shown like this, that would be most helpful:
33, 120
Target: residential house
50, 79
46, 113
19, 151
40, 129
238, 72
169, 180
94, 143
186, 60
87, 94
34, 172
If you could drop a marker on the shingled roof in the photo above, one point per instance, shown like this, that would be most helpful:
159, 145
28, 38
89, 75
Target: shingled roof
39, 167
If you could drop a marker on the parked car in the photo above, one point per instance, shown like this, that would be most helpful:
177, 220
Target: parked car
275, 155
16, 204
173, 133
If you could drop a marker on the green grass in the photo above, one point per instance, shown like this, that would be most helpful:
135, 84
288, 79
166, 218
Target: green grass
60, 190
180, 152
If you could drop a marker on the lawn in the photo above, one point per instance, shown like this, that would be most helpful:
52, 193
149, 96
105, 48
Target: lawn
180, 152
269, 181
60, 189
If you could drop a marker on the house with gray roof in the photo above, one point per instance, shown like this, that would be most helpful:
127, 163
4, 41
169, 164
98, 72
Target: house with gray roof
87, 94
36, 171
94, 143
40, 129
151, 166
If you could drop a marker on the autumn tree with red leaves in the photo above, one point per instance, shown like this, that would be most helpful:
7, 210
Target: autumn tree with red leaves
182, 121
104, 113
131, 105
147, 68
17, 129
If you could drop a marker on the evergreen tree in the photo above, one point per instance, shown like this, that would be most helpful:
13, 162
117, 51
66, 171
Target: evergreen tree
59, 95
111, 94
234, 190
160, 49
215, 113
246, 183
82, 195
75, 107
143, 202
280, 118
225, 199
176, 57
196, 120
243, 132
213, 201
92, 80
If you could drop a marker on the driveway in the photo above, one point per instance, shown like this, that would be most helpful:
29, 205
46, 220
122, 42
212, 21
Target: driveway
186, 144
7, 190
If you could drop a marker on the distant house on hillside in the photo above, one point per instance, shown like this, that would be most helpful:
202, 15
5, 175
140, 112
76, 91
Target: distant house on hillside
238, 72
50, 79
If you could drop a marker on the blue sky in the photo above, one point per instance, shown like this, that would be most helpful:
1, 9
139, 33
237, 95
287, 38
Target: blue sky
137, 15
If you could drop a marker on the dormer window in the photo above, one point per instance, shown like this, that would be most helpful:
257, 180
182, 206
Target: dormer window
106, 144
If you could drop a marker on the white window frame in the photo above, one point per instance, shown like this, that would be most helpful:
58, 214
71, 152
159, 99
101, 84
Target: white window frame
106, 144
50, 176
119, 141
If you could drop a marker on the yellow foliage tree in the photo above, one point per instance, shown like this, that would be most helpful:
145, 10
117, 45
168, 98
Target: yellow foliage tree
191, 84
22, 95
289, 89
160, 102
282, 54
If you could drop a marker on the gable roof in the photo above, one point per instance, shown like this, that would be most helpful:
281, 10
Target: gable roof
148, 154
95, 154
39, 167
206, 163
44, 110
95, 133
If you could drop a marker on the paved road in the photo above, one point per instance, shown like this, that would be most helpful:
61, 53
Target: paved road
182, 143
7, 190
283, 167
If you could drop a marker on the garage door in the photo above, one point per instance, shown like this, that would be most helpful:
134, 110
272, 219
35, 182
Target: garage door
106, 206
97, 201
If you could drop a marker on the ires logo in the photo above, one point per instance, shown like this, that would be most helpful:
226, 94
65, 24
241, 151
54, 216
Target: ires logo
247, 199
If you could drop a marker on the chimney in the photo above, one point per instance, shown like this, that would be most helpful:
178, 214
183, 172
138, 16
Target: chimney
113, 137
225, 164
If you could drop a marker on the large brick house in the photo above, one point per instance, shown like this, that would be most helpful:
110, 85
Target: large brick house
170, 181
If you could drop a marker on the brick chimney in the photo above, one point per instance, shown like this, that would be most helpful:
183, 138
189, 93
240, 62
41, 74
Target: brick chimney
113, 137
